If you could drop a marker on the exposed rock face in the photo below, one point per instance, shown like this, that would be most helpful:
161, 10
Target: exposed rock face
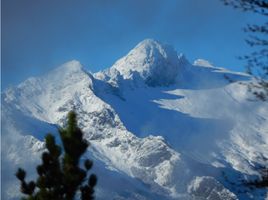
159, 127
155, 63
208, 188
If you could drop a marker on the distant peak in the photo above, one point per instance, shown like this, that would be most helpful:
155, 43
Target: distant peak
154, 62
203, 63
151, 46
72, 65
68, 69
149, 42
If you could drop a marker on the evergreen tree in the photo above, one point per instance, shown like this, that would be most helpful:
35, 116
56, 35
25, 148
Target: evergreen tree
60, 177
263, 182
257, 61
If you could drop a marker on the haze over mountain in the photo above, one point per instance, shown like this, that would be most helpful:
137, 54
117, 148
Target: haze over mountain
159, 126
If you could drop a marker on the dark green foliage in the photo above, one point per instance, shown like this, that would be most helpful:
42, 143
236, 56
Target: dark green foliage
60, 177
26, 188
88, 164
257, 61
21, 174
263, 182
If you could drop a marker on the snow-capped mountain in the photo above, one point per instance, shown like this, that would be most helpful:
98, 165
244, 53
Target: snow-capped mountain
159, 126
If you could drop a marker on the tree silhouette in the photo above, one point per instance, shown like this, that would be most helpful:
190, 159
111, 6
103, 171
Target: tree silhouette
60, 176
257, 61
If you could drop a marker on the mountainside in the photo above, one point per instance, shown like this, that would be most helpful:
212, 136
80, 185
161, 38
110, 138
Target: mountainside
159, 126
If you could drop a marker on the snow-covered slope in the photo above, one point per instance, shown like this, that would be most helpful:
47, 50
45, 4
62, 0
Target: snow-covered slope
159, 127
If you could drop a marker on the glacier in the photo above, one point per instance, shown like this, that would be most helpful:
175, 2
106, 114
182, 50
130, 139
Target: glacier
159, 126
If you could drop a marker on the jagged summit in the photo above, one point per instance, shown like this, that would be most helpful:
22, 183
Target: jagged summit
154, 64
158, 64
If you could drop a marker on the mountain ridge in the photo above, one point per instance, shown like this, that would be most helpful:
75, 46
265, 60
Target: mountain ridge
152, 132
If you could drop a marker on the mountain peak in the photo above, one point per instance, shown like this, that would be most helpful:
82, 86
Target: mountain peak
67, 70
71, 66
150, 43
158, 64
151, 47
203, 63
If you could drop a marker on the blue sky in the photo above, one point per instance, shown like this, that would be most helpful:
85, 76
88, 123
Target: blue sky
40, 35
